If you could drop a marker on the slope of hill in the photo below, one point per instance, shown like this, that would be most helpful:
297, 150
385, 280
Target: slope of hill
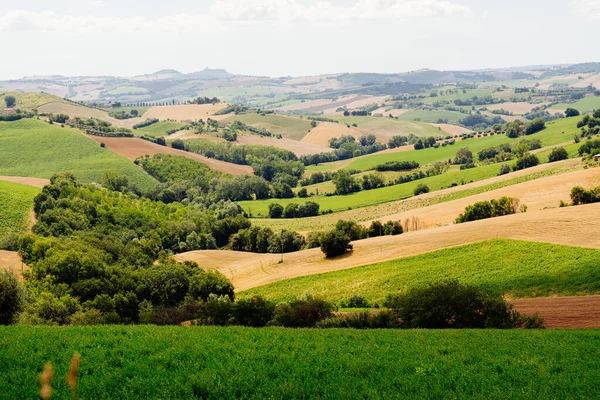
76, 110
289, 127
187, 112
36, 149
29, 100
251, 270
16, 201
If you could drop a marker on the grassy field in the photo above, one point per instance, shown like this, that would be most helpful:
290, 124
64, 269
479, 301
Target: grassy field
141, 362
159, 129
29, 100
585, 105
328, 221
515, 268
556, 132
432, 116
391, 126
36, 149
15, 202
288, 127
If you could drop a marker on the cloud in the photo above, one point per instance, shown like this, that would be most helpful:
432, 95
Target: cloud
589, 7
228, 12
97, 3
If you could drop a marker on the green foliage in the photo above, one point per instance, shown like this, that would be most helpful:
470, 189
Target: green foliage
489, 209
421, 189
590, 147
463, 156
571, 112
397, 166
345, 183
10, 101
12, 297
335, 243
535, 126
558, 154
361, 320
302, 312
528, 160
581, 196
15, 202
452, 305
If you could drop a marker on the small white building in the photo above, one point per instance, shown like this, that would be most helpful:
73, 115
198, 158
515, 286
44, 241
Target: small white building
597, 157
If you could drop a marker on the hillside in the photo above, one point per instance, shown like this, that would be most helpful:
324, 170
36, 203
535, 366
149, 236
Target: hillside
29, 100
34, 148
16, 202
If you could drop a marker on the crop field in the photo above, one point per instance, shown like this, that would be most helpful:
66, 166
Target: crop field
36, 149
390, 126
514, 268
185, 112
16, 201
585, 105
289, 127
296, 147
143, 362
431, 116
251, 270
159, 129
29, 100
324, 131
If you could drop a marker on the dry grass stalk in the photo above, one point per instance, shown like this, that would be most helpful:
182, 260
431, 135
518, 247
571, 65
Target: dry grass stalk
46, 380
72, 375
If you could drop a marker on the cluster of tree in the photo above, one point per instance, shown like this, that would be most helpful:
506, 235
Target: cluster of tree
348, 149
316, 177
507, 151
237, 126
346, 183
591, 147
479, 121
58, 118
204, 100
478, 101
356, 113
527, 160
147, 122
558, 154
125, 114
398, 166
399, 141
294, 210
96, 127
537, 113
581, 196
323, 119
463, 156
426, 143
16, 116
590, 124
10, 101
490, 209
264, 240
234, 108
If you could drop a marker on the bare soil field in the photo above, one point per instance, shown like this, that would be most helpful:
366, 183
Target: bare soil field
37, 182
515, 108
307, 104
186, 112
538, 194
185, 134
395, 112
133, 148
296, 147
551, 226
328, 130
452, 129
356, 103
11, 261
593, 80
575, 312
73, 110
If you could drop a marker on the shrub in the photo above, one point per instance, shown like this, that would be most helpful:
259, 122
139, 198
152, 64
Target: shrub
463, 156
356, 301
352, 229
361, 320
451, 304
275, 210
504, 169
397, 166
376, 229
303, 193
12, 297
489, 209
302, 313
571, 112
528, 160
392, 228
557, 154
255, 311
535, 126
335, 243
421, 189
581, 196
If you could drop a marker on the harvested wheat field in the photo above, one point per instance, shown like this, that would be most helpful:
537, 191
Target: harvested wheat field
248, 270
37, 182
574, 312
73, 110
296, 147
327, 103
186, 112
515, 108
328, 130
133, 148
536, 195
184, 134
11, 261
452, 129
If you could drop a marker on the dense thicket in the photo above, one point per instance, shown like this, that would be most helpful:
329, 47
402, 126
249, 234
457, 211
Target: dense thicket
489, 209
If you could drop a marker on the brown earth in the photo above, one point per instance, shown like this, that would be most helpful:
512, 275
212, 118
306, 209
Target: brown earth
133, 148
248, 270
515, 108
536, 195
11, 261
563, 312
296, 147
37, 182
186, 112
328, 130
452, 129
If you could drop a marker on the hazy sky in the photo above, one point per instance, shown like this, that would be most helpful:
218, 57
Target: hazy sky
291, 37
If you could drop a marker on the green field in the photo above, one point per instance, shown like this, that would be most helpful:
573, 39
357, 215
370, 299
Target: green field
143, 362
159, 129
29, 100
585, 105
288, 127
392, 126
432, 116
515, 268
15, 202
36, 149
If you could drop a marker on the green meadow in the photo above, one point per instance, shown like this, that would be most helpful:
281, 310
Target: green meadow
159, 129
585, 105
143, 362
15, 202
289, 127
34, 148
514, 268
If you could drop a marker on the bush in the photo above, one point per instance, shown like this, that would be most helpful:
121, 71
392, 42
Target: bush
362, 320
356, 301
397, 166
275, 210
352, 229
421, 189
463, 156
12, 297
581, 196
302, 313
392, 228
504, 169
335, 243
452, 305
571, 112
528, 160
303, 193
535, 126
255, 311
557, 154
489, 209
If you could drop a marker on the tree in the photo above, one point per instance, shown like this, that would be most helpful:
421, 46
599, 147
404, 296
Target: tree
571, 112
345, 183
335, 243
275, 210
463, 156
528, 160
504, 169
534, 126
134, 113
10, 101
12, 297
557, 154
114, 180
421, 189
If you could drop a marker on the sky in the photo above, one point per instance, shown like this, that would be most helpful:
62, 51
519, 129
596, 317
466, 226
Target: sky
291, 37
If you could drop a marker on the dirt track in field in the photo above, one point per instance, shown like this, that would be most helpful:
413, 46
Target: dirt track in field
563, 312
37, 182
573, 226
186, 112
536, 195
133, 148
296, 147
